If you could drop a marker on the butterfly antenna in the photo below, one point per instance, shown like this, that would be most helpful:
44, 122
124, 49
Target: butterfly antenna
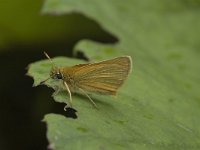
48, 57
42, 82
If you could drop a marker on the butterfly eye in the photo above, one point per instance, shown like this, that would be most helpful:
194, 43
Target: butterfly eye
58, 75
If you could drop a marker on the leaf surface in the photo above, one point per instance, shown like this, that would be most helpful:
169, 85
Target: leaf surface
158, 106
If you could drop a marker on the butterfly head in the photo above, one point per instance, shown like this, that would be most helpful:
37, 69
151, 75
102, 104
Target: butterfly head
56, 73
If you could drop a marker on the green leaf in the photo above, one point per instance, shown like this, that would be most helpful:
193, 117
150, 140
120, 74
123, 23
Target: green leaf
158, 106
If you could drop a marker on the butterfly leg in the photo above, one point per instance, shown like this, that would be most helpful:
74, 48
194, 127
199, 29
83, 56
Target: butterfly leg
88, 97
70, 96
56, 91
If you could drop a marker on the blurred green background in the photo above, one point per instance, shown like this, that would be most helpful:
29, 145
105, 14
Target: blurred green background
24, 34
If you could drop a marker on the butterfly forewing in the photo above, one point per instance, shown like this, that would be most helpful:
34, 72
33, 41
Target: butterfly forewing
104, 77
